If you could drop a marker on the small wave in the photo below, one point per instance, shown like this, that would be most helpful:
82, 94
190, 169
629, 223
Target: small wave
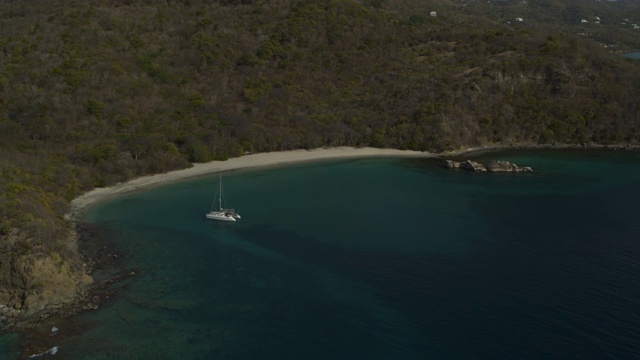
52, 351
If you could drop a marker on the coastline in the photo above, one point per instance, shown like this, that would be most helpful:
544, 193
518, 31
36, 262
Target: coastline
92, 197
531, 146
92, 296
99, 293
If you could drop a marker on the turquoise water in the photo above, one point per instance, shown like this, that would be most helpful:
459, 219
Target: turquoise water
377, 259
9, 346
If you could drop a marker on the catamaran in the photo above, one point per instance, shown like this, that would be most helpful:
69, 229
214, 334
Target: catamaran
222, 214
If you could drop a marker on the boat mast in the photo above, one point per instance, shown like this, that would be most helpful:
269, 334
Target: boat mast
220, 198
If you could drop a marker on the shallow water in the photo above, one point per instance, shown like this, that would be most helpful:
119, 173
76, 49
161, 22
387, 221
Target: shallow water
377, 259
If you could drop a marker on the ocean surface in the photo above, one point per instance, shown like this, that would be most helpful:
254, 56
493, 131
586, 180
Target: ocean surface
374, 259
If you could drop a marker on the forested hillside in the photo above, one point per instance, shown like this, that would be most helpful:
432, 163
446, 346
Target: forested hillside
97, 92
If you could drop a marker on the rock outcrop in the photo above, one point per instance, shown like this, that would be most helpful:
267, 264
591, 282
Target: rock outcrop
497, 165
472, 165
468, 165
35, 282
494, 166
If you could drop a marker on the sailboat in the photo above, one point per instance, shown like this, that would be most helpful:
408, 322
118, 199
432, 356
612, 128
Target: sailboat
222, 214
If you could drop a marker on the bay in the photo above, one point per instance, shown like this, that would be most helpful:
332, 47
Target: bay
378, 259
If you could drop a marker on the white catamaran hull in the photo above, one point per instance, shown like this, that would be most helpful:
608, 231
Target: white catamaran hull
218, 216
231, 212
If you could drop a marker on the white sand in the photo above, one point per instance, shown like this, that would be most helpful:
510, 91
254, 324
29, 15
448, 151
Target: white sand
248, 161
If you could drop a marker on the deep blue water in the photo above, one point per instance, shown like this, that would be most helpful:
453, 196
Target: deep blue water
377, 259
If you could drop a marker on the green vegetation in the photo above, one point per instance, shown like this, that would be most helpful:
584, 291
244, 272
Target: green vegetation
94, 92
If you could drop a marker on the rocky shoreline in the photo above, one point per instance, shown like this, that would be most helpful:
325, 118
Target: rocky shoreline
36, 340
505, 166
532, 146
100, 256
493, 166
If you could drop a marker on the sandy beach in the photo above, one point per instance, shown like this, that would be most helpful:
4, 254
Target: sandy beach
295, 156
247, 161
